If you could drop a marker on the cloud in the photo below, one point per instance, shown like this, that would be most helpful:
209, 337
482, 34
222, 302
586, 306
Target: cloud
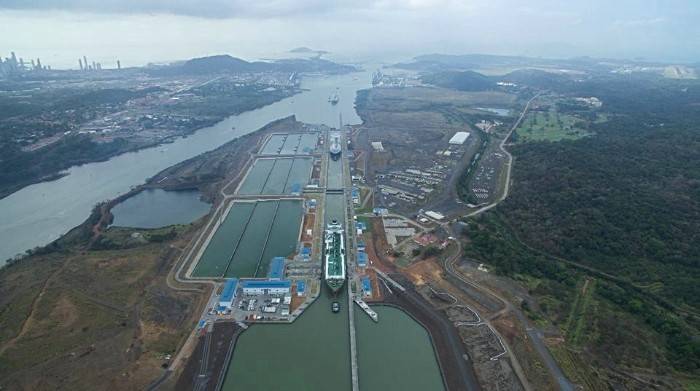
225, 8
640, 22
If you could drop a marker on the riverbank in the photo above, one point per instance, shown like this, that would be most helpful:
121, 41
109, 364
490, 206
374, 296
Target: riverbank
39, 214
79, 149
111, 310
452, 357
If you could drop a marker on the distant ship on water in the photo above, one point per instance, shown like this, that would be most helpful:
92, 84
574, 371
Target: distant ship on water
335, 148
334, 99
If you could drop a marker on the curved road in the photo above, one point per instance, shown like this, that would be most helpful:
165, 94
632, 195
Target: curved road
533, 333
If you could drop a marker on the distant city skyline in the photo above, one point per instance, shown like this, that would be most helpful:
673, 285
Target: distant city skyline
139, 32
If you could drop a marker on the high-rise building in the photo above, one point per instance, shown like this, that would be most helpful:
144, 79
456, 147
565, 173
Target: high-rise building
80, 62
85, 62
119, 65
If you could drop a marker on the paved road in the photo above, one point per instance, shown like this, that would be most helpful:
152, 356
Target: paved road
509, 163
534, 334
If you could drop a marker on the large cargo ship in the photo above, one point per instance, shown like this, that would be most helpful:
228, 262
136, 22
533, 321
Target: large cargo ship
335, 148
334, 265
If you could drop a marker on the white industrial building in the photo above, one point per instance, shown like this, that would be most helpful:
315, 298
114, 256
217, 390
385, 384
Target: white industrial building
266, 287
378, 147
459, 138
434, 215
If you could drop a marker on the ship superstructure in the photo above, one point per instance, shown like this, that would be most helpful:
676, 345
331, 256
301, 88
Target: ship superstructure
335, 148
334, 265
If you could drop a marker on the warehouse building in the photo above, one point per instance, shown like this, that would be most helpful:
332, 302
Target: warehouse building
361, 259
301, 288
228, 294
276, 271
266, 287
459, 138
366, 286
434, 215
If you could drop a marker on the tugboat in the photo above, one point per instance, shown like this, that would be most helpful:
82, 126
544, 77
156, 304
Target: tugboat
335, 307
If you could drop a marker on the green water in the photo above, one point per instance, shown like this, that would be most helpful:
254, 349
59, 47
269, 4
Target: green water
276, 176
311, 354
247, 255
273, 144
334, 208
335, 174
253, 233
299, 175
257, 176
222, 245
155, 208
395, 354
284, 235
307, 144
291, 144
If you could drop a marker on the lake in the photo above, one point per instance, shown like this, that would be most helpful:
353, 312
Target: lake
155, 208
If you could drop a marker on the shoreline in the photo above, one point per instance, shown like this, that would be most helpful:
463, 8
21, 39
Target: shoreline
103, 209
11, 189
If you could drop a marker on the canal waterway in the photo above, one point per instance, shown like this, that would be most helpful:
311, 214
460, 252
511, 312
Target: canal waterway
40, 213
251, 234
396, 353
155, 208
311, 354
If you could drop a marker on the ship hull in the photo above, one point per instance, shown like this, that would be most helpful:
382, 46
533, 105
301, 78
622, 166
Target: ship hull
335, 285
334, 273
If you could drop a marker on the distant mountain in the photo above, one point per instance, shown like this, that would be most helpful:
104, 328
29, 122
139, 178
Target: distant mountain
438, 62
228, 64
222, 63
463, 81
302, 49
474, 81
445, 62
537, 78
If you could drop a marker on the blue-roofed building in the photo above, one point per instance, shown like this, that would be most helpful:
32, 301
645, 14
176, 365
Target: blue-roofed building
296, 188
276, 270
228, 294
366, 286
361, 245
266, 287
355, 196
301, 288
361, 259
306, 253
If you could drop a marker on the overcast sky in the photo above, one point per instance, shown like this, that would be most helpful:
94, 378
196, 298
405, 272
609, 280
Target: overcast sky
141, 31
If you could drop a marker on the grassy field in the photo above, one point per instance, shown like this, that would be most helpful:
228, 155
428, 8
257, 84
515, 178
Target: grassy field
549, 126
576, 320
82, 317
